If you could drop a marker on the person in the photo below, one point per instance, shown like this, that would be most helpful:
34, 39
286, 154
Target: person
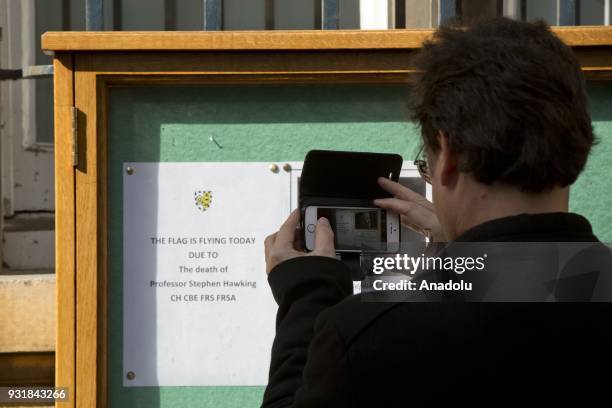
502, 109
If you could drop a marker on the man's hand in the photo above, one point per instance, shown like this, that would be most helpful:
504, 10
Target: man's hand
280, 245
416, 212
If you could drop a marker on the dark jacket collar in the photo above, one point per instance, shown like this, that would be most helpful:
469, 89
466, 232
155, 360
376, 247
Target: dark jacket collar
545, 227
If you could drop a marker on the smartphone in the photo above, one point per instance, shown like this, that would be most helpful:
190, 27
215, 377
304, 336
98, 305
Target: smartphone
355, 228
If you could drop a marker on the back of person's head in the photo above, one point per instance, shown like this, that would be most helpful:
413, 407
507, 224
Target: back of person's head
511, 98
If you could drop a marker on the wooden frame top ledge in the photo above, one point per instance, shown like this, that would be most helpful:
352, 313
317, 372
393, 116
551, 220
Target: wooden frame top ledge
583, 36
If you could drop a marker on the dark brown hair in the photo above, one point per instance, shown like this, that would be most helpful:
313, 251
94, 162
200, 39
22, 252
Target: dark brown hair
511, 97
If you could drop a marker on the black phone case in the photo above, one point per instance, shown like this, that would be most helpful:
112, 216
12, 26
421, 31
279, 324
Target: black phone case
345, 179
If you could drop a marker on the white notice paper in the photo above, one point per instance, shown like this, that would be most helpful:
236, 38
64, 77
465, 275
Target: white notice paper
197, 308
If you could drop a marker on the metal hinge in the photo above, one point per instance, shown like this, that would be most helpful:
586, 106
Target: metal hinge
74, 114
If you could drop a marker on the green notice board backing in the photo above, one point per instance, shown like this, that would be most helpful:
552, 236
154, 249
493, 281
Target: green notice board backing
275, 124
593, 189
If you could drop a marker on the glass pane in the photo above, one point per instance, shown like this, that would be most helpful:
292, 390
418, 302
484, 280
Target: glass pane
591, 12
44, 110
542, 10
349, 14
138, 16
190, 14
249, 124
479, 8
49, 16
420, 14
77, 15
295, 15
244, 15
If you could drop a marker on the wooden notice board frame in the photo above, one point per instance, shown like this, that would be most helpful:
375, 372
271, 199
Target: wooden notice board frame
87, 64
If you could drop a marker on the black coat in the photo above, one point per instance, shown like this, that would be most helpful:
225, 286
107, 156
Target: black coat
332, 349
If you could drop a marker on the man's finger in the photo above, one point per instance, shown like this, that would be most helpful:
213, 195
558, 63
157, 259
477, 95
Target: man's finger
286, 233
298, 240
324, 238
403, 192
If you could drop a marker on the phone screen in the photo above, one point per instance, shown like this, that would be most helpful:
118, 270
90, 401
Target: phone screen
356, 228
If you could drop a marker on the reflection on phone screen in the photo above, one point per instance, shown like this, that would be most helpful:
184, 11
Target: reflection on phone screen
356, 228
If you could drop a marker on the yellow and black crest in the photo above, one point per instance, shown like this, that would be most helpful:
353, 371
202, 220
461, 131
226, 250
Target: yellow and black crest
203, 199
